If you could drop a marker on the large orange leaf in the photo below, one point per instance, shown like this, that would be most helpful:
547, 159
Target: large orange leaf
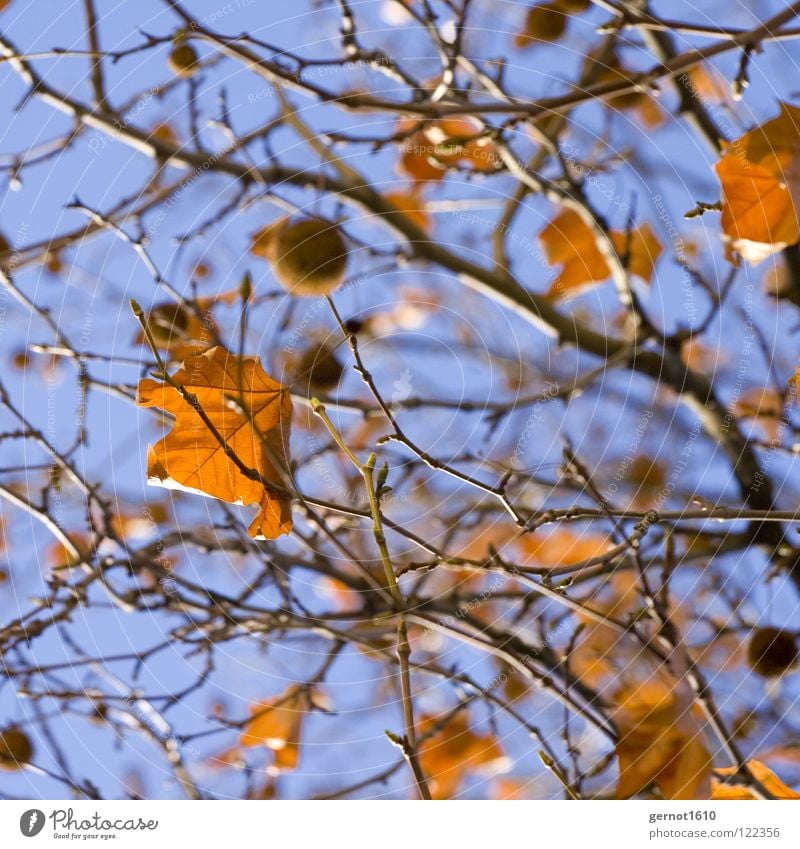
771, 782
660, 743
760, 178
251, 413
568, 241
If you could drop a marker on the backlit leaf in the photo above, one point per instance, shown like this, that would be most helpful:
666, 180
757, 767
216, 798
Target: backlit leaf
771, 782
278, 725
660, 743
760, 178
427, 151
568, 241
251, 413
454, 751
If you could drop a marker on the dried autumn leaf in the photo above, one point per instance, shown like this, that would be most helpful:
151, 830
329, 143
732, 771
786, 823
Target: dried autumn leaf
251, 413
765, 406
548, 21
648, 478
721, 790
758, 212
427, 151
772, 652
60, 556
545, 22
612, 70
562, 548
708, 84
278, 725
660, 743
570, 242
700, 357
511, 789
411, 205
166, 133
455, 750
602, 652
760, 178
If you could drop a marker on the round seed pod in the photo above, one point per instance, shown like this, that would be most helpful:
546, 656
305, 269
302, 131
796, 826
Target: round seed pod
545, 22
308, 257
168, 323
16, 748
183, 61
772, 652
318, 369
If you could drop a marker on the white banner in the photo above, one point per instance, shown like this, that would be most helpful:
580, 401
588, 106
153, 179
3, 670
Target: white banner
394, 825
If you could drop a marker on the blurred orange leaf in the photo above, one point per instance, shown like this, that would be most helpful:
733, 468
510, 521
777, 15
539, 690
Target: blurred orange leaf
428, 151
548, 21
412, 205
568, 241
612, 70
660, 743
561, 547
648, 478
763, 404
455, 750
278, 725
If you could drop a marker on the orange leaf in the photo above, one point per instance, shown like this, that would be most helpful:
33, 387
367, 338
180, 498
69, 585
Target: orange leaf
641, 247
568, 241
612, 70
648, 477
453, 751
449, 141
278, 725
760, 178
510, 789
771, 782
545, 22
758, 213
763, 404
660, 743
412, 206
563, 548
251, 413
548, 21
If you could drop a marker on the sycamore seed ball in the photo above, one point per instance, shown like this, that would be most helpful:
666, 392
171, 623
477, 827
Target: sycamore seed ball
308, 257
183, 61
16, 748
772, 652
318, 368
